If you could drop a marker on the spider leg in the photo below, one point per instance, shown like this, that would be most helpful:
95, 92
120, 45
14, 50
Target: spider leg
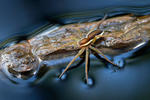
99, 52
77, 65
77, 55
99, 23
86, 63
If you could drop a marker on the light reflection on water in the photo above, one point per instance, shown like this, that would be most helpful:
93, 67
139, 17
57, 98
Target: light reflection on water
131, 82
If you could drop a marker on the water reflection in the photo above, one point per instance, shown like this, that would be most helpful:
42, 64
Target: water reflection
133, 81
28, 66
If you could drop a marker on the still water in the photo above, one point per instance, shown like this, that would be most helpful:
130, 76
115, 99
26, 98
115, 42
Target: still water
130, 83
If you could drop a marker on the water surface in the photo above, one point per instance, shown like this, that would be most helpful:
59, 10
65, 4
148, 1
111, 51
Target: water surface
130, 83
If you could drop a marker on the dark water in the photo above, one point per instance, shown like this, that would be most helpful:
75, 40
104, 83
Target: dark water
23, 17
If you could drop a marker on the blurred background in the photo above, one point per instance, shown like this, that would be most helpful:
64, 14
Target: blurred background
23, 16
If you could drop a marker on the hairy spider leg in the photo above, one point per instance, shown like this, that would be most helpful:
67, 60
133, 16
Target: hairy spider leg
86, 63
99, 23
99, 52
98, 37
77, 55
